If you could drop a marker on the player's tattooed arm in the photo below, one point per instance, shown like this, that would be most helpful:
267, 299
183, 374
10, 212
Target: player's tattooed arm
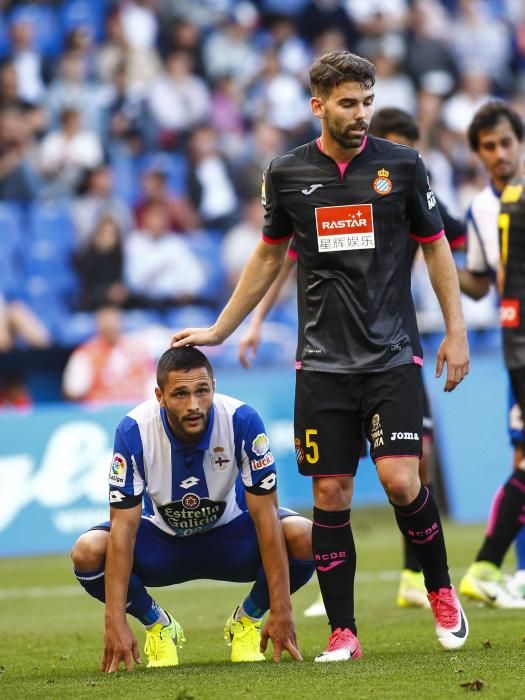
119, 643
279, 627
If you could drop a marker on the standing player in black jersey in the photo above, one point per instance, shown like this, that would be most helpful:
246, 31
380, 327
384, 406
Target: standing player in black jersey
400, 127
352, 202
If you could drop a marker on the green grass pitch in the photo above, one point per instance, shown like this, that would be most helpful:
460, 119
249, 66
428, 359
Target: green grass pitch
51, 637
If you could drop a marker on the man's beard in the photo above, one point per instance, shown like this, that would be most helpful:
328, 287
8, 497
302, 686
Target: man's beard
345, 140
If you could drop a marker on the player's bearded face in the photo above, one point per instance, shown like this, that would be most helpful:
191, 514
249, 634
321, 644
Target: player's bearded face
187, 397
347, 115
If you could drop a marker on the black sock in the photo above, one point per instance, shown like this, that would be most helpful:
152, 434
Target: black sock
505, 525
335, 561
410, 560
419, 522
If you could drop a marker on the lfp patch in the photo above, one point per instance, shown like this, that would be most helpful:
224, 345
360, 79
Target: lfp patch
117, 471
346, 227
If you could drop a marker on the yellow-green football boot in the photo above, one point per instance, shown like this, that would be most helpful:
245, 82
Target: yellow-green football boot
412, 592
485, 582
162, 642
244, 637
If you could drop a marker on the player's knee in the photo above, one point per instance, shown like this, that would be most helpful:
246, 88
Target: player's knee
298, 536
333, 493
89, 551
401, 488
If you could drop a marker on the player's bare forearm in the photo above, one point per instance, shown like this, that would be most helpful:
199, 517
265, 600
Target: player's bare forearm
474, 286
454, 348
259, 273
250, 340
119, 643
279, 627
271, 296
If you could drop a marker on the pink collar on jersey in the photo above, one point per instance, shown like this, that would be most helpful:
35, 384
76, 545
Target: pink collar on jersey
342, 166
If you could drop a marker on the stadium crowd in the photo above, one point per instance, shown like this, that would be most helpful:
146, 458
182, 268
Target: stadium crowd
134, 133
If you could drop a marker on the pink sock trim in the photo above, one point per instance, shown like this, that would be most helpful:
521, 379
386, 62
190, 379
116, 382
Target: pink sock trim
518, 485
494, 510
332, 526
407, 515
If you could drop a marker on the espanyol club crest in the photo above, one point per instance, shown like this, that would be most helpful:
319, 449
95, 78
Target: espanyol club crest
382, 185
299, 452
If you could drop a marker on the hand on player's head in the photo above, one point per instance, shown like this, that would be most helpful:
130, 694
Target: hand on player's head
195, 336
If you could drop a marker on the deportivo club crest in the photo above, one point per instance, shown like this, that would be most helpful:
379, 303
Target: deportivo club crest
382, 185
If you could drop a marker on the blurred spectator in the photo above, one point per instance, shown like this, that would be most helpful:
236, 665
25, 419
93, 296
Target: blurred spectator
263, 144
227, 115
94, 200
67, 152
240, 240
19, 323
211, 185
139, 24
71, 90
429, 60
393, 86
181, 34
126, 112
460, 108
180, 214
18, 180
99, 263
111, 367
14, 392
378, 18
279, 98
27, 62
320, 16
178, 99
482, 43
113, 51
160, 269
137, 55
229, 49
294, 57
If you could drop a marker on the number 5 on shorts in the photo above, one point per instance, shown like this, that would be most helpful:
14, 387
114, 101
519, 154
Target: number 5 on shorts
313, 456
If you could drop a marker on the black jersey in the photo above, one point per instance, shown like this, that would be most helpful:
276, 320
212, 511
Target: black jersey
512, 242
352, 233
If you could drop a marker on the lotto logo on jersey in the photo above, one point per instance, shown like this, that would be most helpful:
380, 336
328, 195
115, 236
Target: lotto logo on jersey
117, 471
509, 313
348, 227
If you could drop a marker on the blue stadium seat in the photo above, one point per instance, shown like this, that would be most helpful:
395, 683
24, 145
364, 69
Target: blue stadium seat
84, 13
51, 221
174, 165
11, 232
188, 316
46, 29
206, 245
40, 294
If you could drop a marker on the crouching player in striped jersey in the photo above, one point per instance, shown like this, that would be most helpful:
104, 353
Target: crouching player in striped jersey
192, 491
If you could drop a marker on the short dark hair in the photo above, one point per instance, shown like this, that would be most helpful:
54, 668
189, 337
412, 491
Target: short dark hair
488, 116
181, 359
391, 120
332, 69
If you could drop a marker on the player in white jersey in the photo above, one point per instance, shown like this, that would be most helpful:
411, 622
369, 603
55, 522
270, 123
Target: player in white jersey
495, 135
192, 492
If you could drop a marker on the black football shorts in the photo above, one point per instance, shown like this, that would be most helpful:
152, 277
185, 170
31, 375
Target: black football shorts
333, 410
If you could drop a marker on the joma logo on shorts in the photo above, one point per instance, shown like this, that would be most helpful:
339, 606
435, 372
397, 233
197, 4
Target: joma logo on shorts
404, 436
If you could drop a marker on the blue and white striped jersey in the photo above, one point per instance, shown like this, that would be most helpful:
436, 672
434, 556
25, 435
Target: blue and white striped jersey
188, 489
